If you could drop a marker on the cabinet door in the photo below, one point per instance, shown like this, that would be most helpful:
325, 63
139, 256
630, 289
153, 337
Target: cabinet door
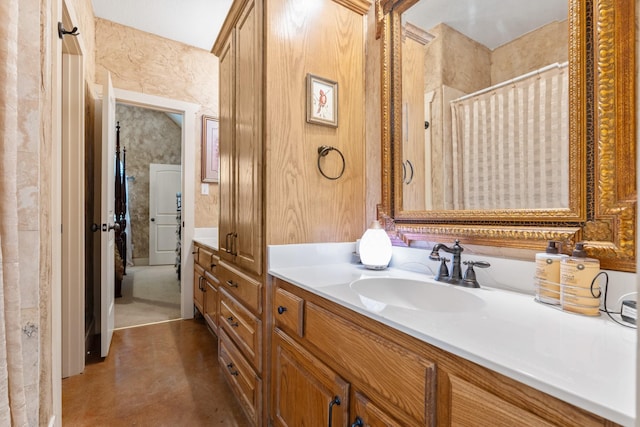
247, 246
198, 288
366, 414
225, 221
304, 388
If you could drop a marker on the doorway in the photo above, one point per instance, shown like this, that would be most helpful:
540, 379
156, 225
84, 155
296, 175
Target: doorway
151, 142
187, 159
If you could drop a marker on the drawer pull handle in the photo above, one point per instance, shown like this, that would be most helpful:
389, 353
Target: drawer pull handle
232, 284
213, 266
231, 322
335, 401
226, 241
231, 371
281, 309
358, 422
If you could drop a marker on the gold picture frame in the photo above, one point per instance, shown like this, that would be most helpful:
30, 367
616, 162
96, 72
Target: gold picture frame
210, 150
322, 101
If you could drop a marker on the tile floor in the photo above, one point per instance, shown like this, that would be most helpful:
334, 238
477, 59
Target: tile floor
165, 374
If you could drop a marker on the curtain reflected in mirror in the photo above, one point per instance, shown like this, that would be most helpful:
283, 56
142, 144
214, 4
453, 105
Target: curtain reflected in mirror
485, 106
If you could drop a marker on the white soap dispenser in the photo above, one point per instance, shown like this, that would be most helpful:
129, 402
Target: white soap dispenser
375, 247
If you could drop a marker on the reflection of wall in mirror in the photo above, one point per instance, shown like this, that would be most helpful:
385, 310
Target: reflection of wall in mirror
456, 65
415, 169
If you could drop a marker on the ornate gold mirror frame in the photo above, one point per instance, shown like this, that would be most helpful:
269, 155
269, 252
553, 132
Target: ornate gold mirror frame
603, 211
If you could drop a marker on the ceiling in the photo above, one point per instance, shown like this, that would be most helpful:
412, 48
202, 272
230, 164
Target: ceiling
197, 22
490, 22
193, 22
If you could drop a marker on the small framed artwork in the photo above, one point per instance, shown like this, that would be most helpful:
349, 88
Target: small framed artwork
322, 101
210, 157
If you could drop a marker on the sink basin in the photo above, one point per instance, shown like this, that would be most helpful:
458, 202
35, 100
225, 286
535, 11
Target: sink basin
378, 292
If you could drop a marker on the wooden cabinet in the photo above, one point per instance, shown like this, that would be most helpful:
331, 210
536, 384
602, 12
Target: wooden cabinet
240, 222
306, 391
384, 377
388, 383
240, 321
269, 181
205, 284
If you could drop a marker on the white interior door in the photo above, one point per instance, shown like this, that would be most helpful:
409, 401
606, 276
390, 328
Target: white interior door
164, 183
107, 217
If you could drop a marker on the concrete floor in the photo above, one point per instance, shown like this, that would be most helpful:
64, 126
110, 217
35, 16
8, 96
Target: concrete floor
165, 374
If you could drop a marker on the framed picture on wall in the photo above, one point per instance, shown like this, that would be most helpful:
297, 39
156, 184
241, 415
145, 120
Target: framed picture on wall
322, 101
210, 156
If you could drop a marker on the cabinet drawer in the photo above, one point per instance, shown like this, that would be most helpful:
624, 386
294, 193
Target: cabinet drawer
211, 303
203, 257
213, 265
470, 406
361, 353
242, 287
288, 311
242, 378
198, 287
243, 327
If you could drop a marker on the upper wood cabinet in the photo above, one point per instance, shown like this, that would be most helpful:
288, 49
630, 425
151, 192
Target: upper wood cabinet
240, 223
271, 189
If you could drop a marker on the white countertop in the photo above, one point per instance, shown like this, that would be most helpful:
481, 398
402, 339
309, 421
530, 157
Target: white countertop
589, 362
207, 237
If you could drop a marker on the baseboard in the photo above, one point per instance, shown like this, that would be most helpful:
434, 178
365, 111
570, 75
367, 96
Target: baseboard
140, 261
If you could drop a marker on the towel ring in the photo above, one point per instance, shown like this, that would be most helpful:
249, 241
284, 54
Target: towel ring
323, 150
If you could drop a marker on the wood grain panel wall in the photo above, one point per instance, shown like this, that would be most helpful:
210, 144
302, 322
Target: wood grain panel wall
325, 39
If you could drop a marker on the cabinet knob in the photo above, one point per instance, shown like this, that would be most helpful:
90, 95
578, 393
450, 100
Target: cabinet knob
358, 422
281, 309
231, 322
231, 370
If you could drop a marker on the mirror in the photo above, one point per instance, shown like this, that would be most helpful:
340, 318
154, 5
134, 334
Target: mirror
592, 183
485, 105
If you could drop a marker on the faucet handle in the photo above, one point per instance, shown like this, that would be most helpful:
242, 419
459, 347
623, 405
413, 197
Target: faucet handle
443, 271
479, 264
470, 274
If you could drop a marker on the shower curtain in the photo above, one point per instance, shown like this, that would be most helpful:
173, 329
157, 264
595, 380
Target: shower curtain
510, 143
13, 409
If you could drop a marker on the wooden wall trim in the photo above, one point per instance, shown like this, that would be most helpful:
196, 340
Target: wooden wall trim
227, 26
359, 6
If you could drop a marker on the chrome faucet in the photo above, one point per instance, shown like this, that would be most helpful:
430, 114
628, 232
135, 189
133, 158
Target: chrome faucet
455, 278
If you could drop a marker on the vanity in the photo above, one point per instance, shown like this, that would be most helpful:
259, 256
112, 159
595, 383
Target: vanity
300, 342
395, 347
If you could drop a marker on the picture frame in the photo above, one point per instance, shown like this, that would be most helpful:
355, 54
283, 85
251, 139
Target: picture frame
210, 149
322, 101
